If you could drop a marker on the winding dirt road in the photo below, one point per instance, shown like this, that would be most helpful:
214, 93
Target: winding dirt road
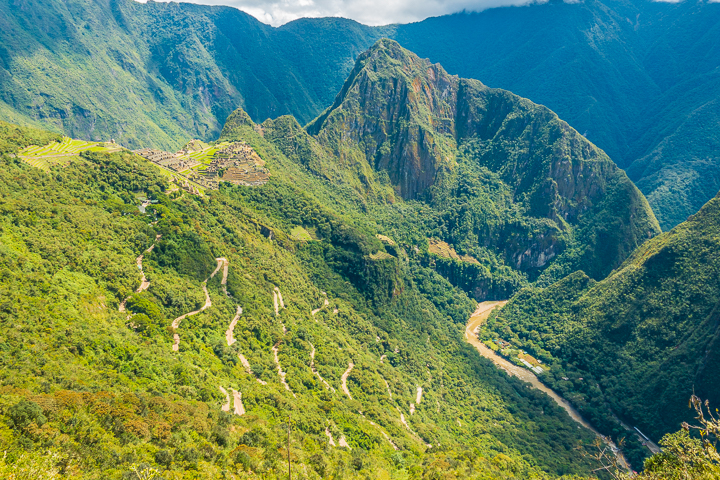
208, 304
326, 302
229, 334
226, 405
476, 320
314, 370
144, 284
237, 402
280, 370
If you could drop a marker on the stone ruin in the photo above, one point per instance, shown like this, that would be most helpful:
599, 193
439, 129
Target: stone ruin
237, 163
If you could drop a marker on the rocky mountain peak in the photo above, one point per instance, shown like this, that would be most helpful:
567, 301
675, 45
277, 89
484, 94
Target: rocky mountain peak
401, 110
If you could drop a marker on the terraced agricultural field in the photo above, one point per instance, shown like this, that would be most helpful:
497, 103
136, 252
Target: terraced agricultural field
205, 156
62, 153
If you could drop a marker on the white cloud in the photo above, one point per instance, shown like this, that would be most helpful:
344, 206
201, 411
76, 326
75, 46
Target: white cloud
369, 12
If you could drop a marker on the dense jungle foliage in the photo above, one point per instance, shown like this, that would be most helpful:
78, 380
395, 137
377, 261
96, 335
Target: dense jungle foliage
636, 344
98, 393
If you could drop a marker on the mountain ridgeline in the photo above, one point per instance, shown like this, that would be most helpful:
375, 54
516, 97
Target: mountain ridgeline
638, 78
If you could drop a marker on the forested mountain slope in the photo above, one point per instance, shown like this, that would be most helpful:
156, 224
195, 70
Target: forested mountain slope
349, 335
638, 343
157, 74
436, 136
638, 78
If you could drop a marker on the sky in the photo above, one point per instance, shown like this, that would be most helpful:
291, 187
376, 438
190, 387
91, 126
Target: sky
369, 12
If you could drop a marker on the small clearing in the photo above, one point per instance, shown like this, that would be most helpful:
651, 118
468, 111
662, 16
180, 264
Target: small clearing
280, 371
344, 379
314, 370
208, 304
343, 443
226, 405
444, 249
237, 402
229, 337
418, 395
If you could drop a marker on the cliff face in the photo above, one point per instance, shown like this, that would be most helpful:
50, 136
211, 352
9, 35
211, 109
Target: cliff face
405, 116
399, 112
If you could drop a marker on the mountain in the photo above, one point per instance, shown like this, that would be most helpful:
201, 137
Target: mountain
183, 338
156, 74
638, 78
177, 327
432, 133
638, 343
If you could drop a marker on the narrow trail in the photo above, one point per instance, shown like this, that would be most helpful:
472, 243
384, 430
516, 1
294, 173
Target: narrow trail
475, 321
280, 371
208, 304
326, 302
387, 385
226, 405
384, 433
344, 380
226, 270
278, 301
314, 370
229, 334
144, 284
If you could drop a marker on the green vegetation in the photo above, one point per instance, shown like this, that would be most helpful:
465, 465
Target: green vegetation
14, 138
639, 79
112, 381
505, 182
636, 344
90, 392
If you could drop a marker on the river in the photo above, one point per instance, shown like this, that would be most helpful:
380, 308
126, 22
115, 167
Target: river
478, 318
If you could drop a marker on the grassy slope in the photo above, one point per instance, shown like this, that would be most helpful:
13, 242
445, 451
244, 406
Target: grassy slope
69, 244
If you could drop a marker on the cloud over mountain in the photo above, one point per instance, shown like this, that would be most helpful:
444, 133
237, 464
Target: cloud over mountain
369, 12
